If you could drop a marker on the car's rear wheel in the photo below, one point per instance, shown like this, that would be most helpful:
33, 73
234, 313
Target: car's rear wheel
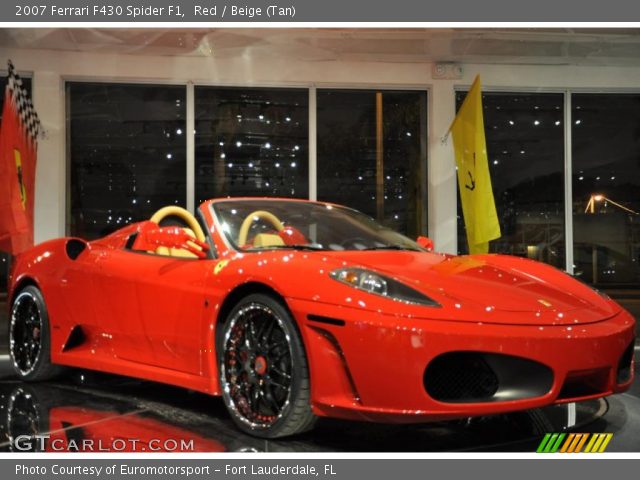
263, 369
30, 337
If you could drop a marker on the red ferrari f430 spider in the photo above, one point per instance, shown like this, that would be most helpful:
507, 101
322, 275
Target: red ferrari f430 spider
293, 310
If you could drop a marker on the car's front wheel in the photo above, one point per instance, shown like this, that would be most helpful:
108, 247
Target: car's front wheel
264, 374
30, 337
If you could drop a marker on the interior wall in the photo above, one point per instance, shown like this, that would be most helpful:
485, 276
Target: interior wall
51, 69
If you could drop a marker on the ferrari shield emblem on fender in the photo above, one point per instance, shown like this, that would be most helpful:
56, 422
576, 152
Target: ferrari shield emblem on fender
219, 266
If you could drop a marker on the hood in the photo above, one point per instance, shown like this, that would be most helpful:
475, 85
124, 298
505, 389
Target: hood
523, 291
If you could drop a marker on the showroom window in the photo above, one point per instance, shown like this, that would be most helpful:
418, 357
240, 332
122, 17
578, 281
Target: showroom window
251, 142
5, 258
606, 180
127, 153
525, 146
372, 154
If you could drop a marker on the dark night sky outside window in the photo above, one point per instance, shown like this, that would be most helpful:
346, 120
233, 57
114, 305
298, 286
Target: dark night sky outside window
606, 171
127, 150
251, 142
525, 145
349, 154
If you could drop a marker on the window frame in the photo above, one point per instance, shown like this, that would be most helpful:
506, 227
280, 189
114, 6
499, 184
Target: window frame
191, 139
65, 82
423, 227
568, 93
312, 160
568, 141
566, 115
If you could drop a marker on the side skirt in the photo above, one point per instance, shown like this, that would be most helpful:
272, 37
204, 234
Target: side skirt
137, 370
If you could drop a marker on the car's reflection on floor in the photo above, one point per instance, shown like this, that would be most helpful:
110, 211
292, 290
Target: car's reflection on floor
34, 423
88, 411
60, 418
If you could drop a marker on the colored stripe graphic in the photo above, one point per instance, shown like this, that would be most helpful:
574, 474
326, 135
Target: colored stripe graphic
569, 441
600, 443
543, 443
550, 443
556, 445
581, 442
574, 443
606, 442
591, 442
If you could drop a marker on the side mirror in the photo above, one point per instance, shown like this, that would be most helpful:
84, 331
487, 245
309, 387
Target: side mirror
152, 236
425, 242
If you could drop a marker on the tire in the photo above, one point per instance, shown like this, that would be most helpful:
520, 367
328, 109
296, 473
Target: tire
264, 375
30, 337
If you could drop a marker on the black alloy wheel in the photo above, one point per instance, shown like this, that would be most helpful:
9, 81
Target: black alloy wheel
29, 336
263, 369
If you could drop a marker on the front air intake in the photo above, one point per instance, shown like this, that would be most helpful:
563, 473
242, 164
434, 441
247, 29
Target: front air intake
585, 383
473, 377
459, 377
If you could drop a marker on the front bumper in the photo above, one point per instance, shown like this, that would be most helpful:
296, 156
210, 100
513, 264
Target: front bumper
371, 366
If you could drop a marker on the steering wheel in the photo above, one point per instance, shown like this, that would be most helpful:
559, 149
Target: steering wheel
262, 214
190, 220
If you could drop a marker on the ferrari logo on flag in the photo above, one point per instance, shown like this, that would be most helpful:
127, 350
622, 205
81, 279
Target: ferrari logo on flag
23, 191
18, 149
474, 180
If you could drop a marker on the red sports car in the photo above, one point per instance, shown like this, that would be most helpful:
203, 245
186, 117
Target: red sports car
293, 310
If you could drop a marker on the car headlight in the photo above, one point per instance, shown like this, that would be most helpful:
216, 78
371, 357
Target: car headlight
381, 285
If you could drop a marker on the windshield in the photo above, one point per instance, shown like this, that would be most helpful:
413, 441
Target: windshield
252, 225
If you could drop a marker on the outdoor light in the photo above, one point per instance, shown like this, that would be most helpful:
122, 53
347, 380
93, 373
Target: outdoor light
598, 197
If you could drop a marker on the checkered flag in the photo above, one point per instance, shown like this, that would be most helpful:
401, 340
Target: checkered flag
20, 97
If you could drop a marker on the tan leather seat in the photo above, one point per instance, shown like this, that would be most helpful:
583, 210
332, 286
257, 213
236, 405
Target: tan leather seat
267, 240
178, 252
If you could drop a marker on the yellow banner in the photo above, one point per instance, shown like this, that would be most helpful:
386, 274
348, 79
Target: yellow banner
474, 180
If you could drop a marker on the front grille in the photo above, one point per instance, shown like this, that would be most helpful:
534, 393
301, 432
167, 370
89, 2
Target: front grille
473, 377
460, 376
623, 374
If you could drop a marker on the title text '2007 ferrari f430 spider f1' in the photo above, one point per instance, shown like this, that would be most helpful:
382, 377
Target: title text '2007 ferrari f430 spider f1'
294, 310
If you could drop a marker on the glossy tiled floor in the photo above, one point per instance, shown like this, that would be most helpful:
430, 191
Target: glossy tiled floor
91, 406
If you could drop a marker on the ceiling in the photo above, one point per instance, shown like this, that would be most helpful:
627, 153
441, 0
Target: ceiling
545, 46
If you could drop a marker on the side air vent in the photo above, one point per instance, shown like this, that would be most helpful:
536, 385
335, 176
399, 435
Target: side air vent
75, 247
327, 320
623, 374
76, 338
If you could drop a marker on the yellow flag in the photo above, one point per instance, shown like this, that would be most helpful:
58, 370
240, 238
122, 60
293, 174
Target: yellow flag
474, 180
